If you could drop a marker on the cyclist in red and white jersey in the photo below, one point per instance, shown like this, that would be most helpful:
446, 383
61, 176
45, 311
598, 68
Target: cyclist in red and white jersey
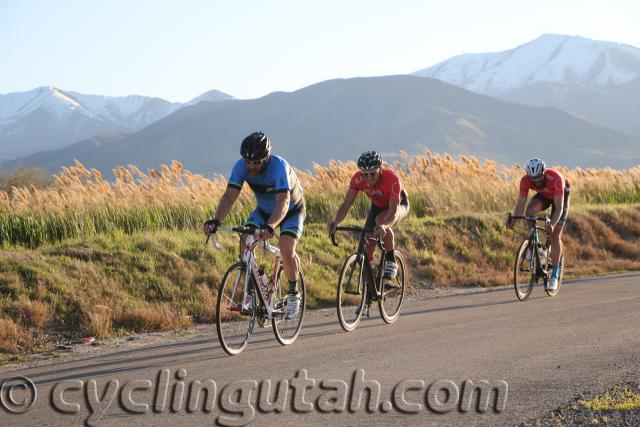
389, 204
553, 190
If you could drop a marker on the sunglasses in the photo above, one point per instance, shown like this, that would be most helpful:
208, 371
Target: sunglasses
538, 179
254, 162
370, 173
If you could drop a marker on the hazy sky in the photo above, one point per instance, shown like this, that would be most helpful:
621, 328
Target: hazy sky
177, 50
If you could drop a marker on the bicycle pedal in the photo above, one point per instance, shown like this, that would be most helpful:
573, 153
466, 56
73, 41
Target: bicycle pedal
390, 289
263, 322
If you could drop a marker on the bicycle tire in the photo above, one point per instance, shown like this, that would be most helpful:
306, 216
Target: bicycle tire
524, 269
287, 330
350, 299
391, 301
234, 328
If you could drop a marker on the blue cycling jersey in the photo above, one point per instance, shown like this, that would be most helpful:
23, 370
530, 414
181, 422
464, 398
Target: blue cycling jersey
277, 177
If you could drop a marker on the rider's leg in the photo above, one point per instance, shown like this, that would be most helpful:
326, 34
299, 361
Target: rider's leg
290, 232
556, 237
391, 268
556, 251
287, 245
389, 238
534, 206
370, 247
556, 244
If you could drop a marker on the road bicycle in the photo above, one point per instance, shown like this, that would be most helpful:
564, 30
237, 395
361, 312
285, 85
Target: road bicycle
247, 295
533, 259
360, 284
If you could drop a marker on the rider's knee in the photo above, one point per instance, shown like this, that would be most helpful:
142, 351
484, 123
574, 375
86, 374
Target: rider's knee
287, 248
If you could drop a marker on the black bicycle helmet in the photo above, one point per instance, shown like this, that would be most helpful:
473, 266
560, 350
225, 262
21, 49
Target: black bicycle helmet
255, 146
369, 160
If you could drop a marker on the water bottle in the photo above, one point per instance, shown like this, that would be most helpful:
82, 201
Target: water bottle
246, 305
542, 252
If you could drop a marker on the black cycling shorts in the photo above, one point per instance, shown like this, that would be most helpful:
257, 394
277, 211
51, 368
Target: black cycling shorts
374, 211
546, 203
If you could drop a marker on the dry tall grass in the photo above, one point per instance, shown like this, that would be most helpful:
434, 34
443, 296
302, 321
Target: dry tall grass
81, 202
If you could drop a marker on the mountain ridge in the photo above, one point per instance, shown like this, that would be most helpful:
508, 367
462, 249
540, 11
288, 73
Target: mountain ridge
340, 118
48, 117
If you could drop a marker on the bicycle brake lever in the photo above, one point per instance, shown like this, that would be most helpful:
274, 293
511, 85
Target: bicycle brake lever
214, 242
333, 239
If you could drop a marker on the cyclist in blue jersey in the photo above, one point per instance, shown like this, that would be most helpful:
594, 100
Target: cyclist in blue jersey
280, 204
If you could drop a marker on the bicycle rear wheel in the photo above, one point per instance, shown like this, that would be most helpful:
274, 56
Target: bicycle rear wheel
393, 293
351, 292
524, 270
287, 330
234, 321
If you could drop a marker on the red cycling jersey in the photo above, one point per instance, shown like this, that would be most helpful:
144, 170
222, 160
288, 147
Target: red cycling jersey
554, 185
388, 187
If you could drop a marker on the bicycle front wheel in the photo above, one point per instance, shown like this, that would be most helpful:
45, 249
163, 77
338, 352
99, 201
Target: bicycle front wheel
393, 293
287, 330
351, 292
234, 321
524, 270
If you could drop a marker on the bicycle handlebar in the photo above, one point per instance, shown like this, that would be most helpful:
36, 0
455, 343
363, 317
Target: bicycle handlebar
242, 230
544, 219
350, 229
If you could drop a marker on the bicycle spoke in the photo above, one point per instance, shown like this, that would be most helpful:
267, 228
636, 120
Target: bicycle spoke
524, 274
351, 293
234, 319
393, 293
287, 330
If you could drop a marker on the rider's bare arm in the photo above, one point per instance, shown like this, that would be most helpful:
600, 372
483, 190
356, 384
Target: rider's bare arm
519, 210
349, 198
280, 211
226, 202
559, 204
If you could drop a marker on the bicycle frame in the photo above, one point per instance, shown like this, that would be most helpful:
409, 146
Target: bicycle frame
250, 265
534, 236
375, 286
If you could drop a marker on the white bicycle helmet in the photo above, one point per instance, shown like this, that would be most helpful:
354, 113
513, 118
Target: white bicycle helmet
535, 168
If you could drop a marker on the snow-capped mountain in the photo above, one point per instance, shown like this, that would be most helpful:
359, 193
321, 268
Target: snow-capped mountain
343, 117
551, 58
596, 80
47, 118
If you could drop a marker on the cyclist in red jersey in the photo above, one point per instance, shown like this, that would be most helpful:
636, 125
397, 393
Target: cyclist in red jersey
389, 204
553, 190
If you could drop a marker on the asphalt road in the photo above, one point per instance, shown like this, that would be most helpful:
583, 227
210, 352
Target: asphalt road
545, 351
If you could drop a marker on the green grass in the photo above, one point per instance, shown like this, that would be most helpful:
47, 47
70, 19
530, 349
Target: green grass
33, 229
619, 399
112, 283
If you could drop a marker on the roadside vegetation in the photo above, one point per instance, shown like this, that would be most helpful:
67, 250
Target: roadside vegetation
617, 406
25, 176
617, 399
85, 256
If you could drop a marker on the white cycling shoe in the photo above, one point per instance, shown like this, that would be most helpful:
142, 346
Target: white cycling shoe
293, 306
